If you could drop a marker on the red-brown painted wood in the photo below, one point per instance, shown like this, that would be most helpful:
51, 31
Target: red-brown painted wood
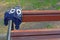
40, 15
36, 32
37, 16
33, 18
39, 34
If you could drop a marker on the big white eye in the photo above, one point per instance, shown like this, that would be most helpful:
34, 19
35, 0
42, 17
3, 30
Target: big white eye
12, 11
18, 11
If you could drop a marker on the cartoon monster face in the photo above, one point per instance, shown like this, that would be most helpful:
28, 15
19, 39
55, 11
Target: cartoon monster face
15, 15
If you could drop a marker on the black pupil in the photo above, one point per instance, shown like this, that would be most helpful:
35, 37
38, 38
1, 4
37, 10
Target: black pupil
18, 11
12, 10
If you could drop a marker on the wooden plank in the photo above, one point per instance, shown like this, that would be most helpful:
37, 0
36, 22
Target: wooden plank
40, 11
37, 32
32, 18
51, 37
40, 15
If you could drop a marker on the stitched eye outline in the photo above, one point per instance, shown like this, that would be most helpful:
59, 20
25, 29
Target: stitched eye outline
12, 11
18, 11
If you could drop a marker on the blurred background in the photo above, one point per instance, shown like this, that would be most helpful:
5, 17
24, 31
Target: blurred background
29, 5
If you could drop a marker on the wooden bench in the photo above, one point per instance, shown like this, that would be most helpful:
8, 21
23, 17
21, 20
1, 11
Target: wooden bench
40, 34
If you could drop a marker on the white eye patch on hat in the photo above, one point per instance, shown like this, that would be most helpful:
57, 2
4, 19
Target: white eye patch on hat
18, 11
12, 11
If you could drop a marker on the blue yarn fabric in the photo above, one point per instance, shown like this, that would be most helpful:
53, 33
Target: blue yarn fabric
15, 15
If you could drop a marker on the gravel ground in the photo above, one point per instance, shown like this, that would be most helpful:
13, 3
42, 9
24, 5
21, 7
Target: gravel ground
2, 36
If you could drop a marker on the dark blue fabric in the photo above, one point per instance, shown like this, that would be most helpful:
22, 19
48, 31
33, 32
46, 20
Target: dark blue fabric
17, 19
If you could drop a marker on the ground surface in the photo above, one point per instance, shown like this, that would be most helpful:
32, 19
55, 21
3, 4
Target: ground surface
32, 4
